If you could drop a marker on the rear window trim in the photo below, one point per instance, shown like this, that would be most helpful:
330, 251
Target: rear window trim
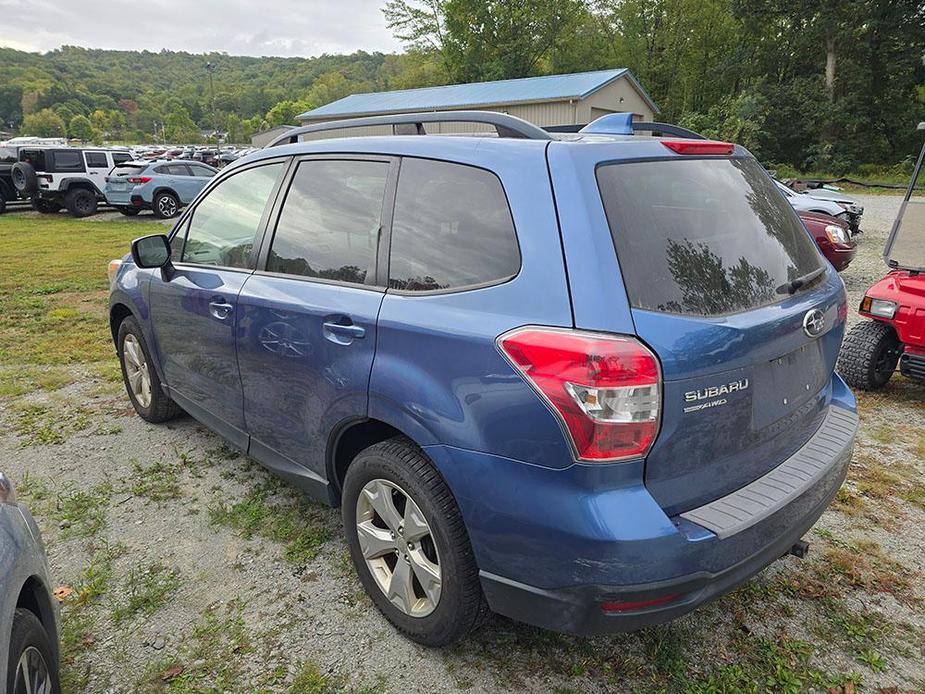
466, 287
815, 284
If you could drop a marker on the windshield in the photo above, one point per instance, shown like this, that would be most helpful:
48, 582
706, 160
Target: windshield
705, 236
906, 245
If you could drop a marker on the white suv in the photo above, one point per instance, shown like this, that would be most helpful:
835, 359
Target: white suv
56, 177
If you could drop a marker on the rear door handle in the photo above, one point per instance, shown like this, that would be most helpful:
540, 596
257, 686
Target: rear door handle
346, 330
220, 308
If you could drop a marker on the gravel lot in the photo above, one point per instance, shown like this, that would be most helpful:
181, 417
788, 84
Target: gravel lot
191, 569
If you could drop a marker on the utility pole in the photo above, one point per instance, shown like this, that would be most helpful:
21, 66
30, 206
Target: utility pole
210, 68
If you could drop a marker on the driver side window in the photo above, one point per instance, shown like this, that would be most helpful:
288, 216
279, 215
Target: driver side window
223, 226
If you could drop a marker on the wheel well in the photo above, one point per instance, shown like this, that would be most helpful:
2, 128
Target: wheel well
165, 189
117, 314
349, 440
34, 597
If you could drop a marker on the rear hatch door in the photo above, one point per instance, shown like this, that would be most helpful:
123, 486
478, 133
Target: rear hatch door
729, 290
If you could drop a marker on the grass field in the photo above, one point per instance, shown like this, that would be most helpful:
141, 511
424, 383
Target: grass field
193, 570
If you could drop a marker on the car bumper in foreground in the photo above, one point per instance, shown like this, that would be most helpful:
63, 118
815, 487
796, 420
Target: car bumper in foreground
606, 561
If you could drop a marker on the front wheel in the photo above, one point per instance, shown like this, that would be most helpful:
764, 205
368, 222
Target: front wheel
869, 355
31, 667
80, 202
409, 544
140, 377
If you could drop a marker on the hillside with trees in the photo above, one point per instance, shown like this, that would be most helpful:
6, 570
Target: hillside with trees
830, 85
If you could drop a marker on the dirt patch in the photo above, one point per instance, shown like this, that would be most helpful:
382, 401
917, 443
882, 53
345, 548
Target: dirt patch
192, 569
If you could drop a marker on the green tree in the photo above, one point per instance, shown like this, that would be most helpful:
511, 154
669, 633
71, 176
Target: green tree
179, 127
44, 123
81, 128
285, 112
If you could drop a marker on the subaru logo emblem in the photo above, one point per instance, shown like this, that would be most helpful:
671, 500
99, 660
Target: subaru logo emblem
814, 322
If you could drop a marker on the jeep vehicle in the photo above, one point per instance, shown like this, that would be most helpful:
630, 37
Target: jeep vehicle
895, 306
9, 155
56, 177
583, 381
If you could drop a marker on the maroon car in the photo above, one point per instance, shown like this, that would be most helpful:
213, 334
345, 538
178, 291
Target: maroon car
832, 236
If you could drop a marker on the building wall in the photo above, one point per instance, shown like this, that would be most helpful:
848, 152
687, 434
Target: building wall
603, 101
266, 137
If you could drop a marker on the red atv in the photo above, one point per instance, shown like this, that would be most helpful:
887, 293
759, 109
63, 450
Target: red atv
896, 304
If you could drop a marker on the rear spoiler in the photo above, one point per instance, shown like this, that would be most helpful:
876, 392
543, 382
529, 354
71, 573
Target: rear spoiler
623, 124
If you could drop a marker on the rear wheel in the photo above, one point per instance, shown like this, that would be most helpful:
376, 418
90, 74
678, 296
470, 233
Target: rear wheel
45, 206
31, 667
140, 377
166, 205
80, 202
869, 355
409, 544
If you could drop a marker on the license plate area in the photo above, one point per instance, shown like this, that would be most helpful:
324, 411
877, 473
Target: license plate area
783, 385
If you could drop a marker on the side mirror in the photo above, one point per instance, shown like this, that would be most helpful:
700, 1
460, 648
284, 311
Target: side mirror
151, 251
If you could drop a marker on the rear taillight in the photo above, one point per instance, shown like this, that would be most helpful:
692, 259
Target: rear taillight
699, 146
138, 179
605, 389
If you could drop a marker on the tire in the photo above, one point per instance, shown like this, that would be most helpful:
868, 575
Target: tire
2, 202
400, 469
166, 205
80, 202
869, 355
29, 644
25, 181
150, 402
128, 211
45, 206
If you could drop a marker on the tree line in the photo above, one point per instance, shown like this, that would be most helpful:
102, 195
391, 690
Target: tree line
832, 85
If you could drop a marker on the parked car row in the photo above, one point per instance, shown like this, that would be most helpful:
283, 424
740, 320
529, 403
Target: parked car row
80, 179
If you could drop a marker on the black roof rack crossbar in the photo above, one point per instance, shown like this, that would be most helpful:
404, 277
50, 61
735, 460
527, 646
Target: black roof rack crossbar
505, 125
663, 128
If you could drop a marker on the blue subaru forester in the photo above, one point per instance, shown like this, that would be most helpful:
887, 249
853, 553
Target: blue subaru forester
583, 380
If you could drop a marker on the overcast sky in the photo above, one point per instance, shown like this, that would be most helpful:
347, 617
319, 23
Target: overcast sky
237, 27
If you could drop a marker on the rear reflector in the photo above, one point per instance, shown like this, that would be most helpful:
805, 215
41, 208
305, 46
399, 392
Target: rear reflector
605, 389
699, 146
637, 604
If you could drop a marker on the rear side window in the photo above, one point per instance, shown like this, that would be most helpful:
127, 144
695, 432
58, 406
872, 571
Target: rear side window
96, 160
329, 225
67, 161
703, 236
118, 158
224, 225
452, 228
177, 170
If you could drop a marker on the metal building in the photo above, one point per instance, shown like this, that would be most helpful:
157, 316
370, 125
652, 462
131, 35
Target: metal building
550, 100
265, 137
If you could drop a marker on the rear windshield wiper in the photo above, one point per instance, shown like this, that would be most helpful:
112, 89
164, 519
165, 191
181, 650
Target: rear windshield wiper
794, 285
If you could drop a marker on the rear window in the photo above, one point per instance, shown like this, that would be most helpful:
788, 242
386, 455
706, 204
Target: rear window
128, 169
703, 236
8, 155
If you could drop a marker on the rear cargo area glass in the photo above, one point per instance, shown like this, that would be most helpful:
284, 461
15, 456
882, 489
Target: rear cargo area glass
703, 236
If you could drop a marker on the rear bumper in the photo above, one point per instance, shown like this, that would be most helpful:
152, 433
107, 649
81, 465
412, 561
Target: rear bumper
119, 199
553, 545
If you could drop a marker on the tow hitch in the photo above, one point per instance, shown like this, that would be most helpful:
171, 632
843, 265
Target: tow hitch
800, 549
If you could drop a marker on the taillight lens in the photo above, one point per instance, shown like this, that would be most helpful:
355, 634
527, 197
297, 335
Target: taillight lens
606, 389
139, 179
699, 146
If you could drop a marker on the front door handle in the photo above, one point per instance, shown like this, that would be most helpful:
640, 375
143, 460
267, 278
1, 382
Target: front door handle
220, 308
342, 333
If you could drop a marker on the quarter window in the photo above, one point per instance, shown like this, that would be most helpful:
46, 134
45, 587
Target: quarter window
329, 225
223, 226
65, 160
452, 228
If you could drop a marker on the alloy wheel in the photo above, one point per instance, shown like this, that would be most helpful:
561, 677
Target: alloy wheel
398, 547
167, 206
136, 370
32, 676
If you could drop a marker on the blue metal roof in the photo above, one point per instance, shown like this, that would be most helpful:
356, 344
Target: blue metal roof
548, 88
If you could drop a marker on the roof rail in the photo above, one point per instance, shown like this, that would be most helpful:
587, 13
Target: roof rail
505, 125
663, 128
